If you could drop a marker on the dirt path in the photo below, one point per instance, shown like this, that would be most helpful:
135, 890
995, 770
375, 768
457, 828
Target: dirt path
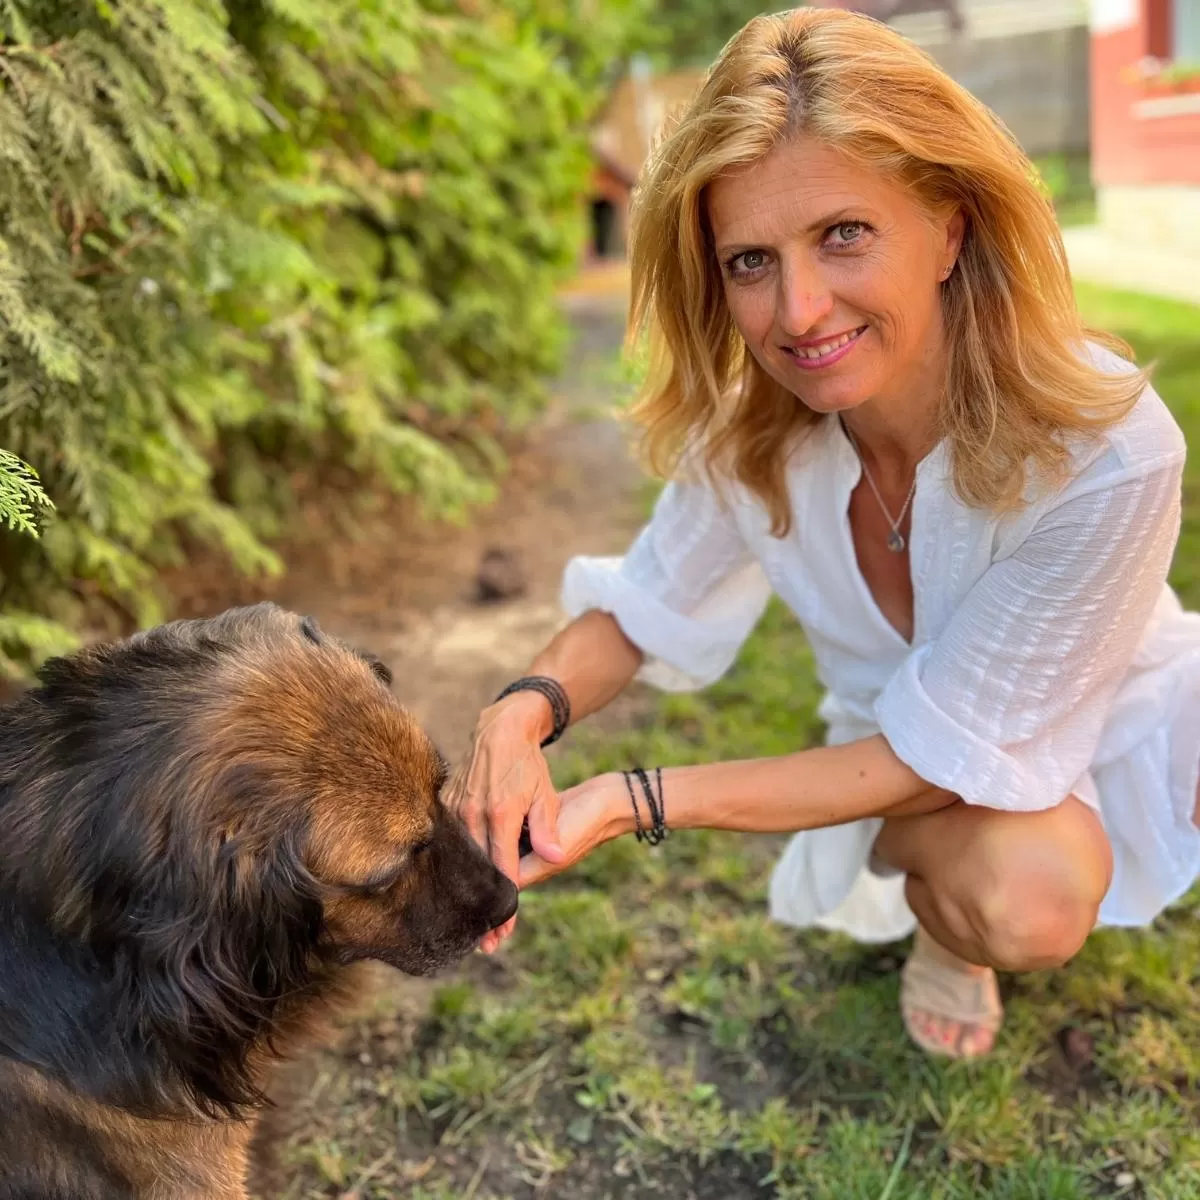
409, 592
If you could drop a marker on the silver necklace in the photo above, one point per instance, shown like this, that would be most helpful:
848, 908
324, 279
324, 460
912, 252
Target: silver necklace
895, 541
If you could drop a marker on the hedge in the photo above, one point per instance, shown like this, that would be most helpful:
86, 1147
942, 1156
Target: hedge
237, 240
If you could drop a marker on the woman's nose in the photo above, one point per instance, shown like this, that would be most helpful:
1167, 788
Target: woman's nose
803, 299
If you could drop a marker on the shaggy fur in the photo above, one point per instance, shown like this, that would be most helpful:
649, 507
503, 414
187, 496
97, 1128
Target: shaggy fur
202, 830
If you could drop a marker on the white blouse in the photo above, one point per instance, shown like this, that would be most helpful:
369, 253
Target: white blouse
1049, 655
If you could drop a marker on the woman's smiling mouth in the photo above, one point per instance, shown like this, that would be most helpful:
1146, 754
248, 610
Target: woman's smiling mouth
824, 352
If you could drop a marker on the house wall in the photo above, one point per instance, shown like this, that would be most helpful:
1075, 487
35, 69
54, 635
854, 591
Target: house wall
1145, 146
605, 184
1036, 82
1027, 60
1139, 138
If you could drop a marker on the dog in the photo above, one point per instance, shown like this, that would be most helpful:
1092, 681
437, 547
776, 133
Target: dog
203, 828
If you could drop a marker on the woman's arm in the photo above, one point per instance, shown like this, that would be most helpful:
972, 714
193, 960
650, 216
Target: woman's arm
592, 660
810, 789
682, 600
1003, 708
505, 776
828, 785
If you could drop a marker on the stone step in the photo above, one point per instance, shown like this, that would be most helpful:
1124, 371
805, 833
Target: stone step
1098, 256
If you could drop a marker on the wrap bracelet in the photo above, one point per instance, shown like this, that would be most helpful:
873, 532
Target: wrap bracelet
657, 829
560, 706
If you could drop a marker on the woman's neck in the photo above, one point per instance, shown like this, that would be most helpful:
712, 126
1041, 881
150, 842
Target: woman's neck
896, 429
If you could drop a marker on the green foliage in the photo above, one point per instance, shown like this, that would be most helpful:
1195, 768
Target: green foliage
238, 239
594, 37
20, 494
1067, 180
692, 32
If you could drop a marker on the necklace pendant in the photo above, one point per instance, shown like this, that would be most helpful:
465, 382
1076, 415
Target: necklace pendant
895, 541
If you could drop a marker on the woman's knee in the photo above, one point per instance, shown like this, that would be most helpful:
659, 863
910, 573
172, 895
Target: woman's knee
1033, 921
1028, 890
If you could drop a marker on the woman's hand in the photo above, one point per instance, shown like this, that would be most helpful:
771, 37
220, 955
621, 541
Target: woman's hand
503, 779
590, 814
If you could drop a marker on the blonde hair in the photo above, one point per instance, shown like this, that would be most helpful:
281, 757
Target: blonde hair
1018, 383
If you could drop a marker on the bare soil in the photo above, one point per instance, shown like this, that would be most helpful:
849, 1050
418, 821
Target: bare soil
408, 590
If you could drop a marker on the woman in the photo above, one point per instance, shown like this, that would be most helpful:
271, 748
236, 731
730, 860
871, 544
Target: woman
875, 398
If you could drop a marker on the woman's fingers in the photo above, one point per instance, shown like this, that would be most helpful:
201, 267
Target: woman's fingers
504, 833
464, 796
585, 821
535, 869
543, 823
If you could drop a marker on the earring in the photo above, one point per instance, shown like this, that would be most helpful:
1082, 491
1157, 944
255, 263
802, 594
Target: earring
946, 272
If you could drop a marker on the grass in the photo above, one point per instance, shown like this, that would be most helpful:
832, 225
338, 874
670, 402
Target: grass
1068, 177
650, 1033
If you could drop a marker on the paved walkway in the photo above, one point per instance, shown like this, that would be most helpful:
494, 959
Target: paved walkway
1098, 256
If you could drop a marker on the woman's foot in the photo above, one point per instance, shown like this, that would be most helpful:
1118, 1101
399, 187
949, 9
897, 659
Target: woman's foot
950, 1007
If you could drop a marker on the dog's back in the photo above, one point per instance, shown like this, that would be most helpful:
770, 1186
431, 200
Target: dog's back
62, 1048
57, 1146
202, 830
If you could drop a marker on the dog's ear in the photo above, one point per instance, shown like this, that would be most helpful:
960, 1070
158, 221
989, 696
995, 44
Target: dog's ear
312, 630
379, 668
235, 943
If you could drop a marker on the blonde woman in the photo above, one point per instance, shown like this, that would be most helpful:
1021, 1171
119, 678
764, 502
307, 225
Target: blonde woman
874, 397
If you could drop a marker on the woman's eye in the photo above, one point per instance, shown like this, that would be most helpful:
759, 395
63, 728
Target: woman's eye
748, 262
848, 232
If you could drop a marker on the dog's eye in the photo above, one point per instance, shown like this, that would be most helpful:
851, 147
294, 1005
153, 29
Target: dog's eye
419, 848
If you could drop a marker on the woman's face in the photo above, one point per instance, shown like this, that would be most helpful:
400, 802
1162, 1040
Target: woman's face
832, 274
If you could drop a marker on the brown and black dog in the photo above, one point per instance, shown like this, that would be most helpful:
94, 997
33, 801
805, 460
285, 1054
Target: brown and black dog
202, 829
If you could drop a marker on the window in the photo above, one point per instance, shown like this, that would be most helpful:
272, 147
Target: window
1185, 31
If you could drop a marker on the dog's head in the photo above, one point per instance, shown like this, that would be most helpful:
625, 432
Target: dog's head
223, 811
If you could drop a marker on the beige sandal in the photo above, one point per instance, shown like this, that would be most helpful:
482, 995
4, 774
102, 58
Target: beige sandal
935, 989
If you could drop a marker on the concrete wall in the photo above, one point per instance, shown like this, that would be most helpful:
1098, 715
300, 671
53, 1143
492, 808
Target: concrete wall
1163, 215
1036, 82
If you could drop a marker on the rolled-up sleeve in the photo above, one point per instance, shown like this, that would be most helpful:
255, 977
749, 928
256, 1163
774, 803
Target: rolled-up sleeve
687, 593
1007, 705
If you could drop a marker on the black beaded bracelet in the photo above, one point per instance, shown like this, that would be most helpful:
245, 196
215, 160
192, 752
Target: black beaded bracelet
560, 706
653, 834
657, 830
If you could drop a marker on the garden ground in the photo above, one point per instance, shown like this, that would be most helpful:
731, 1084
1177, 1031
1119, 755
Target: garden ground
648, 1032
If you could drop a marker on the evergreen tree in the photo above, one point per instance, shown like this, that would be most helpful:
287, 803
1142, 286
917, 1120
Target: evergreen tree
238, 238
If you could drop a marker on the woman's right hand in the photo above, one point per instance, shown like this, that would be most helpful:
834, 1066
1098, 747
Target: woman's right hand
503, 780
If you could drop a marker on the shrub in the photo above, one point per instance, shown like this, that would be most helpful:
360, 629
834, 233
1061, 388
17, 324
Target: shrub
237, 240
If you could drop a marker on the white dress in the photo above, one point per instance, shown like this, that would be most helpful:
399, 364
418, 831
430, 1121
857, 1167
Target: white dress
1049, 654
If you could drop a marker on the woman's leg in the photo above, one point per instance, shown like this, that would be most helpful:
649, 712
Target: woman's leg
995, 889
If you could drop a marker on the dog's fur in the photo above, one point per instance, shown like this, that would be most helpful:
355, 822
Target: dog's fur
202, 829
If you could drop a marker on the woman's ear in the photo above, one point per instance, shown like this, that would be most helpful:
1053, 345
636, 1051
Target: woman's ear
955, 231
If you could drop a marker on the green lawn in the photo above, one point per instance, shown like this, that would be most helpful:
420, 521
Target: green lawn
650, 1033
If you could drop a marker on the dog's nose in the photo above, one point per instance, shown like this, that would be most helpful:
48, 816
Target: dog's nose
506, 902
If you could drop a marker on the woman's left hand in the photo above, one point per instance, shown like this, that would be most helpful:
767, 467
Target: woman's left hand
589, 814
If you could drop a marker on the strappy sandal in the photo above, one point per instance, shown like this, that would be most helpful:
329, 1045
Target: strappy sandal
934, 985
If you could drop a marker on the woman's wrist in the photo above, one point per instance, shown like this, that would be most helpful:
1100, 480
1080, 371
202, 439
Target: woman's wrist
616, 814
529, 710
